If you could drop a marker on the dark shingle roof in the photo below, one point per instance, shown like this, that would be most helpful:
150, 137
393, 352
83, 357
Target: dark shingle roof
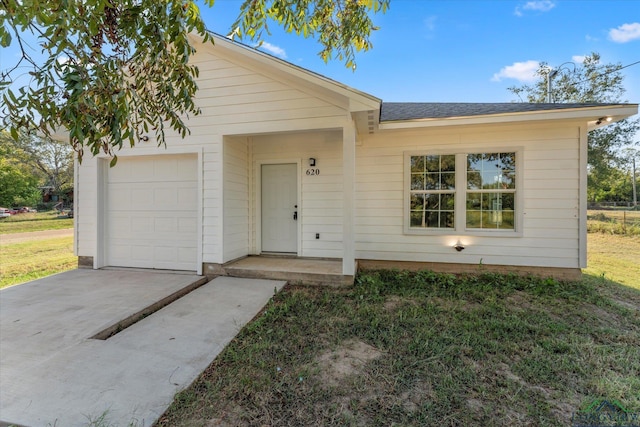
397, 111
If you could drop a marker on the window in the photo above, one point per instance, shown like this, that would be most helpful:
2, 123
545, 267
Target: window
433, 183
491, 189
473, 192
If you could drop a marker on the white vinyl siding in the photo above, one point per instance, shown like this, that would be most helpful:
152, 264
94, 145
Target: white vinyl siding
549, 197
86, 204
237, 99
236, 198
212, 201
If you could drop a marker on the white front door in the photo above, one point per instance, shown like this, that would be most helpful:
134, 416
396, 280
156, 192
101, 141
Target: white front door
280, 208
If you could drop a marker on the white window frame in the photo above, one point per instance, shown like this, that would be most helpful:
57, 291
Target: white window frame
460, 207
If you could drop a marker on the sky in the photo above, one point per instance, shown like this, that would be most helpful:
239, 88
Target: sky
467, 50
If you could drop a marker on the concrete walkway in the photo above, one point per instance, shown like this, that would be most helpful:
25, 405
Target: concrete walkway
53, 374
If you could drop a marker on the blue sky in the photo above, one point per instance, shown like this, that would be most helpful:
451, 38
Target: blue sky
467, 50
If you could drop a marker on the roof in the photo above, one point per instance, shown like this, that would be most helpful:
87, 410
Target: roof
399, 111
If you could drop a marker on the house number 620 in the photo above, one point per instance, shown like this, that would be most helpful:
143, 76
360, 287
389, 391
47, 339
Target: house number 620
313, 171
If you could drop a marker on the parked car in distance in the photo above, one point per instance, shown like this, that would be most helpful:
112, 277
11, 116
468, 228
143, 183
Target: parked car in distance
5, 213
21, 209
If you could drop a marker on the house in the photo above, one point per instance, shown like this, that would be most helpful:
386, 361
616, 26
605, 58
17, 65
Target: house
286, 161
51, 195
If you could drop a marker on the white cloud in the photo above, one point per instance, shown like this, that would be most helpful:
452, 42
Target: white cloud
522, 71
430, 22
578, 58
537, 6
625, 33
273, 49
430, 26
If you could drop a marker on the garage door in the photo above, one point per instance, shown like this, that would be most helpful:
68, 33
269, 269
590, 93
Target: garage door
151, 212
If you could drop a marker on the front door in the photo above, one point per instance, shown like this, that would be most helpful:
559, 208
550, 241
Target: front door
280, 208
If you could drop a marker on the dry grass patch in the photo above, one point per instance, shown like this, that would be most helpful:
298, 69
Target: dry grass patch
615, 258
40, 221
614, 222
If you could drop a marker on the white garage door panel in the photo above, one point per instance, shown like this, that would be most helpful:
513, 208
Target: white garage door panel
151, 212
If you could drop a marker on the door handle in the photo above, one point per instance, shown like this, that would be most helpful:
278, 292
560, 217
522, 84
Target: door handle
295, 216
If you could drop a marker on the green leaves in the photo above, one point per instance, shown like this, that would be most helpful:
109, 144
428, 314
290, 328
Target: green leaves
342, 27
111, 72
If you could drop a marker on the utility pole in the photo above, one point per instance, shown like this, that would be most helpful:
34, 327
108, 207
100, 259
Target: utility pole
550, 75
633, 153
633, 180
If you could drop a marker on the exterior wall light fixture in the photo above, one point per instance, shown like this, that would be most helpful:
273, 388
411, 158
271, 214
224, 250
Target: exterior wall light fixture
458, 246
603, 119
312, 161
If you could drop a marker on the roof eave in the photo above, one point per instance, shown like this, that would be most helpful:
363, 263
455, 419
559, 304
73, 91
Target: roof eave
591, 114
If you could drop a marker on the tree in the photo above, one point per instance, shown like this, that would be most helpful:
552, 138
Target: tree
49, 160
590, 82
115, 70
615, 186
18, 185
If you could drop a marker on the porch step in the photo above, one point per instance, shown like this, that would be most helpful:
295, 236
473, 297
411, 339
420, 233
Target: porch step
304, 271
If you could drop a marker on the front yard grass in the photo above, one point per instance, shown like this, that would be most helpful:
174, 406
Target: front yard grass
22, 262
425, 349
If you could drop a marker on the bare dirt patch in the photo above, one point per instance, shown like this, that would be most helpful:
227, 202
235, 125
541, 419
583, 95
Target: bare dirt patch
413, 398
346, 361
629, 304
520, 300
505, 371
455, 304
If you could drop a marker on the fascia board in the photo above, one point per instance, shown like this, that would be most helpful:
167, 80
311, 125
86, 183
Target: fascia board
591, 114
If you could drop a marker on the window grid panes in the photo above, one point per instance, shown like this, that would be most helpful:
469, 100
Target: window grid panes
432, 197
491, 183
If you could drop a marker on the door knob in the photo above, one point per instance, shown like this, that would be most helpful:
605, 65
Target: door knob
295, 216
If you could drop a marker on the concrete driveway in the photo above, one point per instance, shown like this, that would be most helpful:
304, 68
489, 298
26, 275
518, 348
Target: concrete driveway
52, 373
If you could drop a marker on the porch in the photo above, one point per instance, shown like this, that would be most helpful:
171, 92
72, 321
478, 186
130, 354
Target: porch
295, 270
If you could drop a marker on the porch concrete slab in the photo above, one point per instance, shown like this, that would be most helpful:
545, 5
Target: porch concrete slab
310, 271
52, 373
